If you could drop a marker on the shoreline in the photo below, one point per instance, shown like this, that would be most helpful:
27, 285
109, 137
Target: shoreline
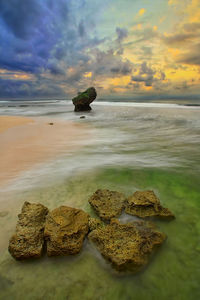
25, 142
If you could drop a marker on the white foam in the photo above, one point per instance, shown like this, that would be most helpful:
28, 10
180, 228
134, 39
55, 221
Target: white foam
142, 104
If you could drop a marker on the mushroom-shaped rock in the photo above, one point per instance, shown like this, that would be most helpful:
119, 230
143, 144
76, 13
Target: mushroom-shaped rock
107, 204
146, 204
83, 100
127, 246
28, 239
65, 230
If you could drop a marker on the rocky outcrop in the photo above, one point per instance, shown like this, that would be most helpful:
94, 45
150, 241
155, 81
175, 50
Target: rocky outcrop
28, 239
107, 204
65, 230
83, 100
127, 246
146, 204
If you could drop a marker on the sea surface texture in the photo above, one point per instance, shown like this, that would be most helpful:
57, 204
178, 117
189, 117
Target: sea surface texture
130, 147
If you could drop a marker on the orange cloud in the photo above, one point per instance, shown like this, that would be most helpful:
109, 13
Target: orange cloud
193, 11
88, 75
141, 11
118, 81
17, 75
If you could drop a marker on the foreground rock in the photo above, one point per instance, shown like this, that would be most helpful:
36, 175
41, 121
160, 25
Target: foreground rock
127, 246
28, 240
107, 204
146, 204
65, 230
83, 100
94, 224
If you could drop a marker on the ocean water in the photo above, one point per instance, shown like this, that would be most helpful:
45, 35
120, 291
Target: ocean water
131, 146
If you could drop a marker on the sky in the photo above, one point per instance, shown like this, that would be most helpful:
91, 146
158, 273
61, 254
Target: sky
135, 49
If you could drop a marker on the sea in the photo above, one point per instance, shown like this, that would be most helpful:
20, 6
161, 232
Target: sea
130, 146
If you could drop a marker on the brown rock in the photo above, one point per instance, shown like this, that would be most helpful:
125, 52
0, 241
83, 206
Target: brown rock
65, 230
127, 246
94, 223
146, 204
28, 240
107, 204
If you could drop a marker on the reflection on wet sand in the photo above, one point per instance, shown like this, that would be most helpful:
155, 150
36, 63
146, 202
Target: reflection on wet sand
26, 142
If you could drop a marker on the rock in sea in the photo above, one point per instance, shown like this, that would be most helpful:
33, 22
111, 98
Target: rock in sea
28, 239
127, 246
83, 100
107, 204
146, 204
65, 230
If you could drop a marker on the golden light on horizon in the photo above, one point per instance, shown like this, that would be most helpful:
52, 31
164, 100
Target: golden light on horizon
88, 75
141, 11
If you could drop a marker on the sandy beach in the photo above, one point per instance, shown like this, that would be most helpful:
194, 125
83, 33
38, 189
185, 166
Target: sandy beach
26, 142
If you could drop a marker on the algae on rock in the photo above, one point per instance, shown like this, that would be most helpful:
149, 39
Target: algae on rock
83, 100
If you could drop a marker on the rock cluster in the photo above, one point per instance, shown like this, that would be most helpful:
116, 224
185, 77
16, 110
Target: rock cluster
63, 229
83, 100
126, 246
109, 204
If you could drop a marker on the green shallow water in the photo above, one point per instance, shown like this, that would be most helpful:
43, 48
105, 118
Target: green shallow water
173, 272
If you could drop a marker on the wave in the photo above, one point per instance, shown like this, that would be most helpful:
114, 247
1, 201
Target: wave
144, 104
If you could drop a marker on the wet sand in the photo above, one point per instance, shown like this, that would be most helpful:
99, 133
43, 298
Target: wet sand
25, 142
7, 122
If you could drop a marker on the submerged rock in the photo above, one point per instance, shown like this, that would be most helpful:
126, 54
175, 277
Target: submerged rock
127, 246
146, 204
65, 230
28, 240
5, 283
83, 100
107, 204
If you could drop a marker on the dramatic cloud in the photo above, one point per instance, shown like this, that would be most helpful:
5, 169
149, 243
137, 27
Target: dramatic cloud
145, 74
54, 48
191, 57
